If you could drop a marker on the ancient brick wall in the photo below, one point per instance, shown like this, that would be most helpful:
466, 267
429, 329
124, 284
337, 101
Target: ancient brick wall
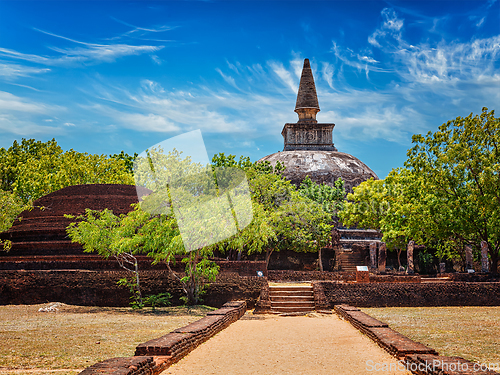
96, 262
98, 288
156, 355
290, 275
412, 294
418, 358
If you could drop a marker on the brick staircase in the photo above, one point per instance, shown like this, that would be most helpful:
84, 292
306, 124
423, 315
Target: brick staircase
291, 298
348, 260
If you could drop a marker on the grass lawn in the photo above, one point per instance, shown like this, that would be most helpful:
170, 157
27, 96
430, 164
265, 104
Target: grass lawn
75, 337
472, 333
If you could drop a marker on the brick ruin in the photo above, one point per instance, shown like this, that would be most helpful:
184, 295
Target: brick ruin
42, 231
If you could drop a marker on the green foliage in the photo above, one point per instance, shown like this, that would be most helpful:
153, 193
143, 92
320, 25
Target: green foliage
200, 271
151, 228
33, 169
19, 154
10, 207
282, 218
330, 198
448, 194
127, 159
112, 236
460, 165
136, 300
156, 300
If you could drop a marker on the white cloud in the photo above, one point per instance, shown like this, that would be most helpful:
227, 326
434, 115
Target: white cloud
10, 124
227, 78
87, 53
285, 76
13, 103
10, 71
328, 71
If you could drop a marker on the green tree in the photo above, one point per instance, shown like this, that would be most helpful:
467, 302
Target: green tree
33, 169
460, 166
330, 198
151, 227
10, 207
447, 196
381, 205
127, 159
112, 236
282, 218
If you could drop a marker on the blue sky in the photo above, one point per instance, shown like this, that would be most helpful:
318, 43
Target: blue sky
102, 77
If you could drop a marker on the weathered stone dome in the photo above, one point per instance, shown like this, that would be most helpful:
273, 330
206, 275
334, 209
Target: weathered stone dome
322, 166
42, 230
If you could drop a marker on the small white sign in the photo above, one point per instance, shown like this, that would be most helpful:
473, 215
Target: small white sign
361, 268
470, 271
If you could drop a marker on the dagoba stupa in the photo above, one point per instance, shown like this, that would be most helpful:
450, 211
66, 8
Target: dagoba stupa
309, 149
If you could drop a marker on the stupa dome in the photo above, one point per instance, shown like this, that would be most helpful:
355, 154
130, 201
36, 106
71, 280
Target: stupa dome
322, 167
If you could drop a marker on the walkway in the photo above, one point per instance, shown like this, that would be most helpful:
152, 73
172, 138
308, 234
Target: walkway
316, 344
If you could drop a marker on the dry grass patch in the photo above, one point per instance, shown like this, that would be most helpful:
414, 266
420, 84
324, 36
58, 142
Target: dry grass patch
75, 337
468, 332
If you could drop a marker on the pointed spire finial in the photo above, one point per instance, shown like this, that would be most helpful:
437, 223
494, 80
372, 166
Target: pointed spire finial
307, 100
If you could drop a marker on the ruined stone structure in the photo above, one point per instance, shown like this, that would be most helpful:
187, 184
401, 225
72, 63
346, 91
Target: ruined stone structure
42, 231
309, 151
308, 145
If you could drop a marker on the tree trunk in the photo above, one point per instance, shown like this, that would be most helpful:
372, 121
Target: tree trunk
320, 259
268, 256
399, 258
138, 286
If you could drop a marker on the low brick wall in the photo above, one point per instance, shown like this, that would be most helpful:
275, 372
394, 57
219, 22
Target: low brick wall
289, 275
418, 358
392, 341
263, 305
154, 356
99, 288
92, 262
411, 294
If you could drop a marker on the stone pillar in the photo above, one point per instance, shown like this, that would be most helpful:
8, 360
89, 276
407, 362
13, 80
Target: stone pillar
485, 264
442, 267
409, 256
382, 256
469, 265
373, 255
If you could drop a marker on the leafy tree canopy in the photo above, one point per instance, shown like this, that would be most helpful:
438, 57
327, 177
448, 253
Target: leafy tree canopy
448, 194
33, 169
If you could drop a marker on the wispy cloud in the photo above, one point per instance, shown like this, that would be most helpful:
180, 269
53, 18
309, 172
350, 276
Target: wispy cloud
13, 103
87, 52
12, 71
284, 75
144, 30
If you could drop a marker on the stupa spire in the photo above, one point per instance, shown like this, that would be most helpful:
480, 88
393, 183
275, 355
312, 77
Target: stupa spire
307, 100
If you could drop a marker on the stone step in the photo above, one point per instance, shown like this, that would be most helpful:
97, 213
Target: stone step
290, 288
291, 293
292, 304
284, 310
292, 298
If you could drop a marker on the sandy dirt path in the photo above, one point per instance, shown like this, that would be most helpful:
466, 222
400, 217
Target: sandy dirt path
315, 344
